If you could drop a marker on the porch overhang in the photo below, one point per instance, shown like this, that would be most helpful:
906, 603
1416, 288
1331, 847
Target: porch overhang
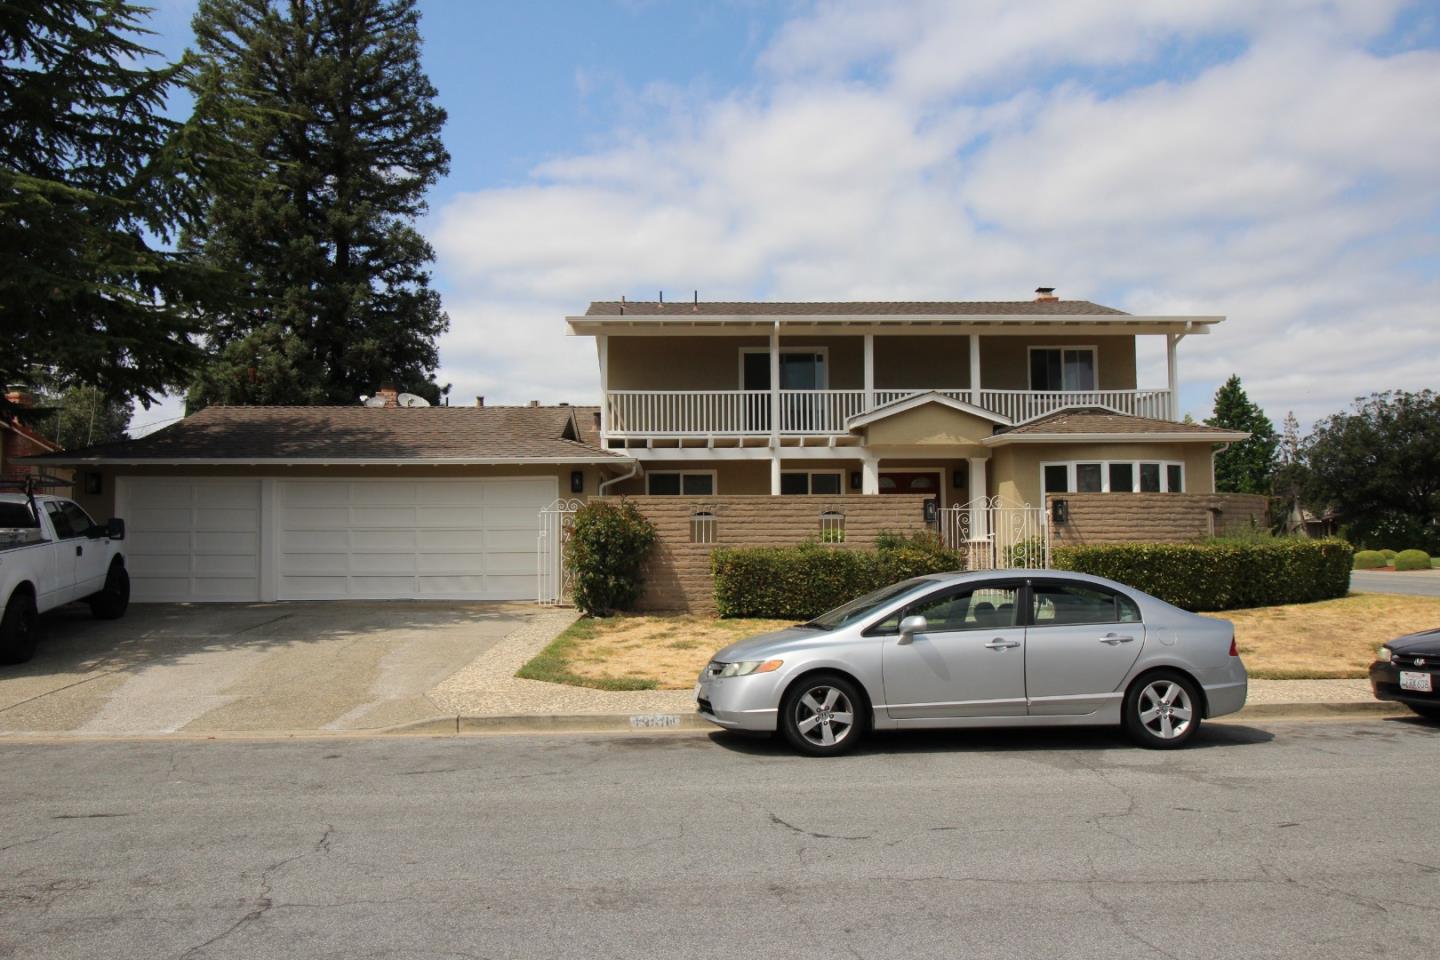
738, 325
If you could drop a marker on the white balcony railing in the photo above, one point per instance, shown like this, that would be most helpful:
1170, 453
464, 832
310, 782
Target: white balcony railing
736, 413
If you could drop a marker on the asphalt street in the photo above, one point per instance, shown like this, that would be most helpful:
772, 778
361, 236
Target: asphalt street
1287, 839
1422, 583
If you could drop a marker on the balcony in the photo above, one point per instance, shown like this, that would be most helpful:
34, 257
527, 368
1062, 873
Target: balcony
740, 414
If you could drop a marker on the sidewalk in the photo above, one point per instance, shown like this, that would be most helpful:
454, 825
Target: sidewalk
486, 694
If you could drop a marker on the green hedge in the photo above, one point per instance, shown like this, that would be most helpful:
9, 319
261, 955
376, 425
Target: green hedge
1412, 560
608, 545
804, 581
1370, 559
1388, 553
1221, 574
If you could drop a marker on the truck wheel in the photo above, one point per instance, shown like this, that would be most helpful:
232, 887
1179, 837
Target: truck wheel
114, 598
19, 628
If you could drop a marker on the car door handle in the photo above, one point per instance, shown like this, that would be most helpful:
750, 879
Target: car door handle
79, 551
1000, 643
1114, 638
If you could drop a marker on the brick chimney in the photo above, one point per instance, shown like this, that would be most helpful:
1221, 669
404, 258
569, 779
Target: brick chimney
389, 394
479, 401
1045, 293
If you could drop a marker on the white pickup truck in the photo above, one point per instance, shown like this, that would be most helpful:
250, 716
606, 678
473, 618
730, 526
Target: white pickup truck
51, 553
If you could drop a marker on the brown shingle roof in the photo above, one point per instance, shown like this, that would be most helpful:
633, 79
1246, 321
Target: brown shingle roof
1098, 420
358, 433
857, 308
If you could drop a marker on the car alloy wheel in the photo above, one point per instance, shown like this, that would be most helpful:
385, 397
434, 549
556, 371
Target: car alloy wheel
820, 716
1162, 710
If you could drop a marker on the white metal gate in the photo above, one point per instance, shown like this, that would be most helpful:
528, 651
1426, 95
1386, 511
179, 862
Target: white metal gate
996, 535
556, 521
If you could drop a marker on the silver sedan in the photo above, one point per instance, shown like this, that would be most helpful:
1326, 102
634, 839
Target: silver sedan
1002, 648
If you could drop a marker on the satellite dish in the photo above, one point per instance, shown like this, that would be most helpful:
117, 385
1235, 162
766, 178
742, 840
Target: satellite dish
374, 401
411, 400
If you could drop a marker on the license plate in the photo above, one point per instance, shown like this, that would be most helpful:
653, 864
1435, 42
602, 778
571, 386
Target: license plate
1419, 682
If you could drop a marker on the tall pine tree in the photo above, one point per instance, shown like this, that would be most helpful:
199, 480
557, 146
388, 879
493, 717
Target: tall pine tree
330, 290
1247, 466
96, 181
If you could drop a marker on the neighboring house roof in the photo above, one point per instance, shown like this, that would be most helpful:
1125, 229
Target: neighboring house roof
1099, 423
357, 435
905, 404
851, 308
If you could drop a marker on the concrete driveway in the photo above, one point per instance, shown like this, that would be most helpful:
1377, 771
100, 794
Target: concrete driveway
247, 668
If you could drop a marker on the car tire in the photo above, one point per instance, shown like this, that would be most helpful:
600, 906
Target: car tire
114, 598
823, 715
1162, 710
1426, 711
19, 628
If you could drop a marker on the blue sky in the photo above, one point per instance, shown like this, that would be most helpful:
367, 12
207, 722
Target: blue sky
1270, 162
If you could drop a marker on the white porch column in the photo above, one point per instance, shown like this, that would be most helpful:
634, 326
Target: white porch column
1173, 370
975, 369
869, 475
602, 343
979, 519
869, 371
774, 471
775, 395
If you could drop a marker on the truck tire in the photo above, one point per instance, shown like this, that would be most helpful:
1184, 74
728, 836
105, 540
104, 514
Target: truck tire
114, 598
19, 628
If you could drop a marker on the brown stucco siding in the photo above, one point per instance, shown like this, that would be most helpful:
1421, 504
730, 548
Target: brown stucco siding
677, 573
713, 363
1015, 470
1005, 361
1153, 517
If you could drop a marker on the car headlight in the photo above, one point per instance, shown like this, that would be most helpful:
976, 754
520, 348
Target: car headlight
746, 667
1385, 654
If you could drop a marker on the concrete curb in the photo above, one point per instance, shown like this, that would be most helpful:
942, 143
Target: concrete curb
669, 722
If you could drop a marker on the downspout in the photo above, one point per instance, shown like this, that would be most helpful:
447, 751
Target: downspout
635, 470
1218, 449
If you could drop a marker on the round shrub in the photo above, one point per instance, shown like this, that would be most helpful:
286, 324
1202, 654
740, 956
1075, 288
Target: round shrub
1369, 559
1412, 560
607, 547
1389, 554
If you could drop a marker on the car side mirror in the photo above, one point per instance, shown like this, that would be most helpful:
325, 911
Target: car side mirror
115, 528
911, 626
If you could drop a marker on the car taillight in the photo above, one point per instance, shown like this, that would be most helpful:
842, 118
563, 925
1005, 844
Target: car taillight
1234, 650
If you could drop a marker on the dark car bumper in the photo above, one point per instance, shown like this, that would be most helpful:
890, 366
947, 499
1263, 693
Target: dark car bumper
1385, 682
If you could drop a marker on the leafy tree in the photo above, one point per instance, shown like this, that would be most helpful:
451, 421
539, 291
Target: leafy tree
79, 416
1379, 465
1247, 466
330, 286
95, 181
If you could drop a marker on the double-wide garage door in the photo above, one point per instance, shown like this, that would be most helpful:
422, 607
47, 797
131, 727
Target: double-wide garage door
251, 539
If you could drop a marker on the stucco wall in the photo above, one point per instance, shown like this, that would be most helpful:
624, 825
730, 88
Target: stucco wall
1153, 517
713, 363
928, 425
1015, 470
1005, 361
677, 575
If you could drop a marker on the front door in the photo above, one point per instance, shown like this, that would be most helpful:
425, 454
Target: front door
1082, 641
970, 661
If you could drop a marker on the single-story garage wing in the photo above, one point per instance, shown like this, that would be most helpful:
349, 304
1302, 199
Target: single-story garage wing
324, 503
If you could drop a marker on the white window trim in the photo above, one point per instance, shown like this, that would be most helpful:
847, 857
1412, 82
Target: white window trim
810, 476
1134, 465
682, 474
823, 351
1094, 365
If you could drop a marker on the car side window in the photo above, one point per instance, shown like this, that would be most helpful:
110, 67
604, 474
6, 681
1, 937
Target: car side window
60, 521
1060, 604
80, 521
963, 608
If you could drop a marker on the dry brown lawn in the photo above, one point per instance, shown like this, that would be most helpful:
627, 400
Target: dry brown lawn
1330, 639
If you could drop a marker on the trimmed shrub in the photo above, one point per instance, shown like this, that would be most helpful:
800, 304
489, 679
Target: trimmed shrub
1221, 574
1389, 554
1369, 559
608, 544
1412, 560
804, 581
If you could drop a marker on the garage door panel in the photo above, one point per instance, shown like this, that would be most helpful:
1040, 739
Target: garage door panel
383, 516
513, 492
452, 587
305, 564
438, 563
383, 541
511, 518
460, 541
227, 519
192, 539
210, 566
316, 494
382, 587
318, 541
451, 516
315, 518
314, 588
229, 542
520, 586
511, 541
505, 563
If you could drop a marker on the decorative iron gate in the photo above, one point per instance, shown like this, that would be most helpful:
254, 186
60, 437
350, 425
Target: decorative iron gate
995, 535
553, 578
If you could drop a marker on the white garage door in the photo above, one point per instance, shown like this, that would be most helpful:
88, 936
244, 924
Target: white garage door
191, 539
409, 539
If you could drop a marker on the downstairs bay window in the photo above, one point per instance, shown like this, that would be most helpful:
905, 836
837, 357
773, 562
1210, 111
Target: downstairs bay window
1113, 476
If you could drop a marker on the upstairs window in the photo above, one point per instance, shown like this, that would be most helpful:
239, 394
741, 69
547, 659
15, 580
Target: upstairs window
1062, 368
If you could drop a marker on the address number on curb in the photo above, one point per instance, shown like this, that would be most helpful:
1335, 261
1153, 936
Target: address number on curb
655, 720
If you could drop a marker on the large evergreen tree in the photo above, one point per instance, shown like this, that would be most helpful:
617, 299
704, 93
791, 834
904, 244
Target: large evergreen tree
95, 181
331, 289
1247, 466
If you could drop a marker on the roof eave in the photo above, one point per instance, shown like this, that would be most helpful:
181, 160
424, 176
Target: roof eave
586, 325
1005, 439
318, 461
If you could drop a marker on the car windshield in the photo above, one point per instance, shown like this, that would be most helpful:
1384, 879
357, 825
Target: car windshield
861, 607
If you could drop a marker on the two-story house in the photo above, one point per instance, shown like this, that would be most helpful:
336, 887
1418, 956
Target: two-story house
959, 400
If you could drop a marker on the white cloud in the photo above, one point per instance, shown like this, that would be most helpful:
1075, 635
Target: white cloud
947, 150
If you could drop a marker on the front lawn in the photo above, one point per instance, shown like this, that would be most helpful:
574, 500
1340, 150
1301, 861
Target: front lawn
1326, 640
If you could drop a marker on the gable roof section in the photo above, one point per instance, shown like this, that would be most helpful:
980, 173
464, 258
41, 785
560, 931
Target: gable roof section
1080, 424
905, 404
357, 434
